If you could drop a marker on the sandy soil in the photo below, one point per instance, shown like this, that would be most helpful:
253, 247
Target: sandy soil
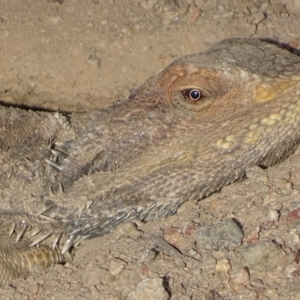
74, 55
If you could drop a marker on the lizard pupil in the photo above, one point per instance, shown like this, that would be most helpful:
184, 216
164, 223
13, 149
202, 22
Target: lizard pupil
192, 95
195, 95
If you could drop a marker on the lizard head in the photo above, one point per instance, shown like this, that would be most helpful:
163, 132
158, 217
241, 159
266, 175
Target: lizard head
224, 90
233, 77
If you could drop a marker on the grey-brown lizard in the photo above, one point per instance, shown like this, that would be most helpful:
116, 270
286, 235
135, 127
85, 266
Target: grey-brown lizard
184, 134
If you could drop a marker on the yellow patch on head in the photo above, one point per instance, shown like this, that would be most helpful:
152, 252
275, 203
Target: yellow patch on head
267, 91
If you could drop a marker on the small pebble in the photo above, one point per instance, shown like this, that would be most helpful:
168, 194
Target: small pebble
150, 289
292, 271
116, 266
262, 256
223, 234
294, 215
257, 174
240, 277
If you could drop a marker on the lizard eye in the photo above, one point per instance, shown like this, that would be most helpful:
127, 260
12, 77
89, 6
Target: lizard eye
193, 96
188, 100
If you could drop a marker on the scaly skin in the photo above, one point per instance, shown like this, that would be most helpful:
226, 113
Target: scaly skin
146, 155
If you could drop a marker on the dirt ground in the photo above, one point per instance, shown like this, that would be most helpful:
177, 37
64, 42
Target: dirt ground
73, 55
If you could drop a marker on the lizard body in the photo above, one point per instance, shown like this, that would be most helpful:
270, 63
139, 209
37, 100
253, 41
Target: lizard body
184, 134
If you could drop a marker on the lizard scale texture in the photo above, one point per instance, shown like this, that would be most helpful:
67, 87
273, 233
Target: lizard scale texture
184, 134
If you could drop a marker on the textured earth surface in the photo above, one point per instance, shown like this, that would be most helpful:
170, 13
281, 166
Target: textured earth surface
72, 55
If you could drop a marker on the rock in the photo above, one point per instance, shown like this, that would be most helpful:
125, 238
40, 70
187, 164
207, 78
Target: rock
116, 266
262, 256
240, 277
150, 289
223, 234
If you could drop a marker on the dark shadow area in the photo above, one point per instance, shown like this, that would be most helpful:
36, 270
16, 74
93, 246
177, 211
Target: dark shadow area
285, 46
32, 108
